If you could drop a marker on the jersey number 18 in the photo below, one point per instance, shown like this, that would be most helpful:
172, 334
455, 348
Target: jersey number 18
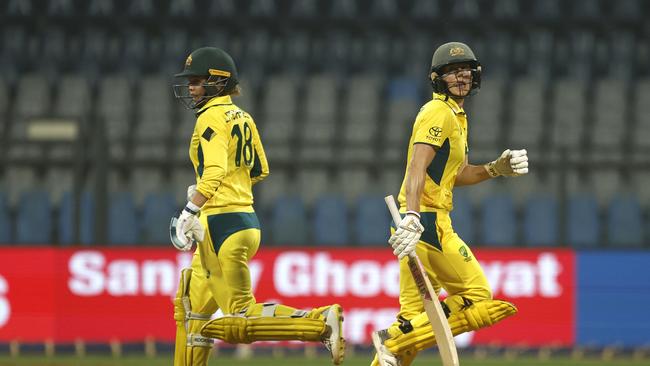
247, 141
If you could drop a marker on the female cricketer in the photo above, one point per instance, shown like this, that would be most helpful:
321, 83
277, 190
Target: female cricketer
228, 159
437, 162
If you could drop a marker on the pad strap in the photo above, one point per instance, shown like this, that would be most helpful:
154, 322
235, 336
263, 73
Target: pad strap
269, 309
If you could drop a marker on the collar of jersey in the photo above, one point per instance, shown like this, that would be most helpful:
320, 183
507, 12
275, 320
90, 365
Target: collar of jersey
215, 101
450, 102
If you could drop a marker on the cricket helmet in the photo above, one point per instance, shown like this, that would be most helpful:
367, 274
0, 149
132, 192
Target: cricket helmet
216, 66
454, 53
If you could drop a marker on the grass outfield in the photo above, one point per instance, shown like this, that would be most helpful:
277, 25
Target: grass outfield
296, 361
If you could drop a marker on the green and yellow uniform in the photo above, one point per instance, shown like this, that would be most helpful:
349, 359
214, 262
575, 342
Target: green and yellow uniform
228, 158
441, 123
448, 261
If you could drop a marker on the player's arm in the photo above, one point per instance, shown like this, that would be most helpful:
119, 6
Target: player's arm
431, 129
470, 174
260, 168
214, 144
186, 229
416, 174
409, 229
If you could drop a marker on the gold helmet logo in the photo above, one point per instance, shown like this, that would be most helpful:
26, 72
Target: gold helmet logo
188, 61
456, 51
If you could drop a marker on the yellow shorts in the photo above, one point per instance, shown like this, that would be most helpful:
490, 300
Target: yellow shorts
450, 264
231, 240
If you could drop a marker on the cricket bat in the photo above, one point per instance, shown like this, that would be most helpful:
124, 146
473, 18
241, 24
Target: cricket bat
436, 315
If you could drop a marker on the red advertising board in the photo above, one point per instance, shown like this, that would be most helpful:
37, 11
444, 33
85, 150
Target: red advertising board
126, 294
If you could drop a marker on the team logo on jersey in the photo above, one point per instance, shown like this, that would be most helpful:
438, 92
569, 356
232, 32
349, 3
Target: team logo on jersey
208, 134
435, 131
463, 251
456, 51
188, 61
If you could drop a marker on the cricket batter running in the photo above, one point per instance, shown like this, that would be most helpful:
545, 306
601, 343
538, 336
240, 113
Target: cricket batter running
437, 162
228, 158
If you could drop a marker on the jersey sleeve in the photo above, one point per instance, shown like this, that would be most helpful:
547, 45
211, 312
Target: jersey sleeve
432, 126
213, 153
260, 169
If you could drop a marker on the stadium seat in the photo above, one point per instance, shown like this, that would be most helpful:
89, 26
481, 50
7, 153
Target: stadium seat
289, 225
402, 108
34, 219
499, 221
123, 225
624, 222
372, 222
66, 219
462, 217
157, 211
331, 221
583, 223
489, 107
568, 123
541, 221
5, 220
528, 124
609, 114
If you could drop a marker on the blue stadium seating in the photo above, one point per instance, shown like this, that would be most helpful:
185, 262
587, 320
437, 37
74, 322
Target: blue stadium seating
625, 222
541, 221
331, 221
86, 219
372, 223
462, 217
403, 88
123, 224
499, 223
157, 211
583, 222
34, 219
5, 220
289, 224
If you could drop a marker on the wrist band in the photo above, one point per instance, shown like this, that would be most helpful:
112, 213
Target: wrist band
192, 208
413, 213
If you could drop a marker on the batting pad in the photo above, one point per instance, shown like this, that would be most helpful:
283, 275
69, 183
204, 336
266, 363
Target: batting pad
479, 315
240, 329
190, 348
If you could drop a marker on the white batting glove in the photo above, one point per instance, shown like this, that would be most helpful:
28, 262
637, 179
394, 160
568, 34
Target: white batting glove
186, 230
190, 192
407, 235
511, 163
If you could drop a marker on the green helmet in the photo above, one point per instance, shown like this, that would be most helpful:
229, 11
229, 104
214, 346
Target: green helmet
454, 53
216, 66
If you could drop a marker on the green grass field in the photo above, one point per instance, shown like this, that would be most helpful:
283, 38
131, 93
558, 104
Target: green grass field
299, 361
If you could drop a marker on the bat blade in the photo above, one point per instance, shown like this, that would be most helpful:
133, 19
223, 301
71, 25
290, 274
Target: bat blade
432, 307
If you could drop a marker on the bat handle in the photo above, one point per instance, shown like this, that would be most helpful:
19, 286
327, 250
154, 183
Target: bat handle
394, 211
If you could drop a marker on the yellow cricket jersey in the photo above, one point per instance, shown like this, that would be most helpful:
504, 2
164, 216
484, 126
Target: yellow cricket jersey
227, 155
443, 124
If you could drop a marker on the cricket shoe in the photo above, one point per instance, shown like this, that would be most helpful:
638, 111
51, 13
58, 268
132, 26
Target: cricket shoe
384, 356
334, 340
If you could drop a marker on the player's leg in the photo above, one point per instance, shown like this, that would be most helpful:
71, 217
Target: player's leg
469, 305
193, 307
226, 258
410, 307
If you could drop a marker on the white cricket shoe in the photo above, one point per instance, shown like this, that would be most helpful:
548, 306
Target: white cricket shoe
384, 356
334, 340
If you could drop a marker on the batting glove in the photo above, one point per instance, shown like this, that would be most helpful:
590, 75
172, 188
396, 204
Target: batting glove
186, 230
511, 163
407, 235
